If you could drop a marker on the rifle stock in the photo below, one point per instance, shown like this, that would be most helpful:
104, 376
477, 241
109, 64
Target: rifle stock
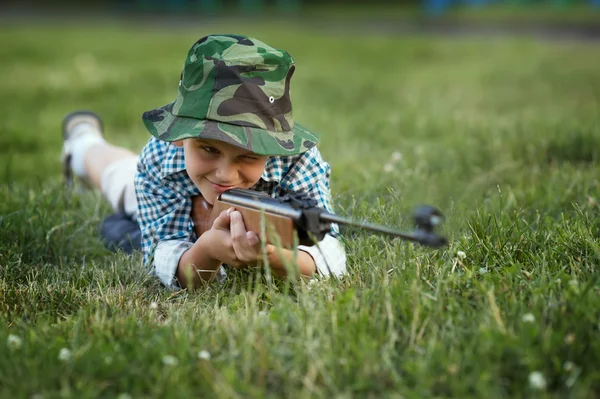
204, 214
282, 225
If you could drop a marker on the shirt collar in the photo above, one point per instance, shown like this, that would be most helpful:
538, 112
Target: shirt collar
173, 161
272, 172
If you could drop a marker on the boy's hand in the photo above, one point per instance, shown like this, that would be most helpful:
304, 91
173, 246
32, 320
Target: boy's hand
232, 244
246, 244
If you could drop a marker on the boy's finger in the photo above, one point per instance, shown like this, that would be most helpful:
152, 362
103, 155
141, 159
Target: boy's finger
252, 237
238, 229
222, 221
245, 244
270, 248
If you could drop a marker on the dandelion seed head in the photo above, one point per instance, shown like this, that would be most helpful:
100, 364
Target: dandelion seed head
537, 380
14, 341
64, 355
528, 318
170, 360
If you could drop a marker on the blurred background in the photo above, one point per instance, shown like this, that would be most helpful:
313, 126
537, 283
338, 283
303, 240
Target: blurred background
443, 82
556, 18
403, 10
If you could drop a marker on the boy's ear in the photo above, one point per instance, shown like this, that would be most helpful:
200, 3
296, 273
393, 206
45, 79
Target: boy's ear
178, 143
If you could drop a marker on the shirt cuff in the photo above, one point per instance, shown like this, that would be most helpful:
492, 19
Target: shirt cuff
329, 256
166, 261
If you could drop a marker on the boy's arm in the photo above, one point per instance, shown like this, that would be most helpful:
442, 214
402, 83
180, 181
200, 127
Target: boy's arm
197, 265
163, 216
279, 258
310, 174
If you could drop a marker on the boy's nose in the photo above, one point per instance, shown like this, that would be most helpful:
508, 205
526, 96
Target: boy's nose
226, 174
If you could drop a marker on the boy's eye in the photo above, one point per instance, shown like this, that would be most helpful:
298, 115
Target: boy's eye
210, 150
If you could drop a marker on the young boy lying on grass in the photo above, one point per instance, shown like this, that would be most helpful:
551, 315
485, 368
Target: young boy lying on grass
231, 125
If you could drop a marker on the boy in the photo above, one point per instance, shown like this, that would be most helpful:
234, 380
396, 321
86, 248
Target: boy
231, 125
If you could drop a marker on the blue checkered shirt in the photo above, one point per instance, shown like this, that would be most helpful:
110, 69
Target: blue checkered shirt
164, 191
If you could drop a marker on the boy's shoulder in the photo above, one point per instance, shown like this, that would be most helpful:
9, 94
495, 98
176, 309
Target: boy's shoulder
154, 148
161, 166
162, 158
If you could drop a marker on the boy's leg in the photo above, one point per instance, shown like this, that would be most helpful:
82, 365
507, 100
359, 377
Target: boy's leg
102, 165
118, 187
120, 231
107, 168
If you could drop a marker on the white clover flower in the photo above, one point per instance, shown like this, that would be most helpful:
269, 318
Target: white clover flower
388, 168
482, 270
570, 339
461, 255
153, 305
64, 355
568, 366
170, 360
396, 156
528, 318
537, 380
204, 355
14, 342
313, 282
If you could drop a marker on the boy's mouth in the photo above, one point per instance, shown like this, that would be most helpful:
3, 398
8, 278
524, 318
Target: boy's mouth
220, 187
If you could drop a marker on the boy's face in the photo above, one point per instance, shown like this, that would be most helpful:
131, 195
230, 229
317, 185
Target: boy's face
215, 166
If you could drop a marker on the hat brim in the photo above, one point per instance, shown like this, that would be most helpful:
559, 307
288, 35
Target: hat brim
163, 125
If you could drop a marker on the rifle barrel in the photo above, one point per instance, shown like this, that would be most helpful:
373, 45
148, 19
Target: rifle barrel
330, 217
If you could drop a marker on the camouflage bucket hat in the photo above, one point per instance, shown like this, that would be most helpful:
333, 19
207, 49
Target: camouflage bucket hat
234, 89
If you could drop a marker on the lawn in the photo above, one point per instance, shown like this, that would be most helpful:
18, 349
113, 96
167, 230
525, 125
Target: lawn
502, 134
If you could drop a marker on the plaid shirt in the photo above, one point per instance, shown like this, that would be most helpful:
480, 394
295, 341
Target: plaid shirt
164, 190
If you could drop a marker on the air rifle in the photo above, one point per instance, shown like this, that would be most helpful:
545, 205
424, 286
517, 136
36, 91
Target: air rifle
297, 212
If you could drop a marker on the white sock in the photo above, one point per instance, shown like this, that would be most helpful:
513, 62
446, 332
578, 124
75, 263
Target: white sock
84, 136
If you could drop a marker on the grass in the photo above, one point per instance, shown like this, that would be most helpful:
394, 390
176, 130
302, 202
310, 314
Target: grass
501, 134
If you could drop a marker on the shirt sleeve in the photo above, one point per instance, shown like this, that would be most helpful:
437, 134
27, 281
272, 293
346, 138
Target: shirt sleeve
310, 174
163, 210
329, 256
166, 260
